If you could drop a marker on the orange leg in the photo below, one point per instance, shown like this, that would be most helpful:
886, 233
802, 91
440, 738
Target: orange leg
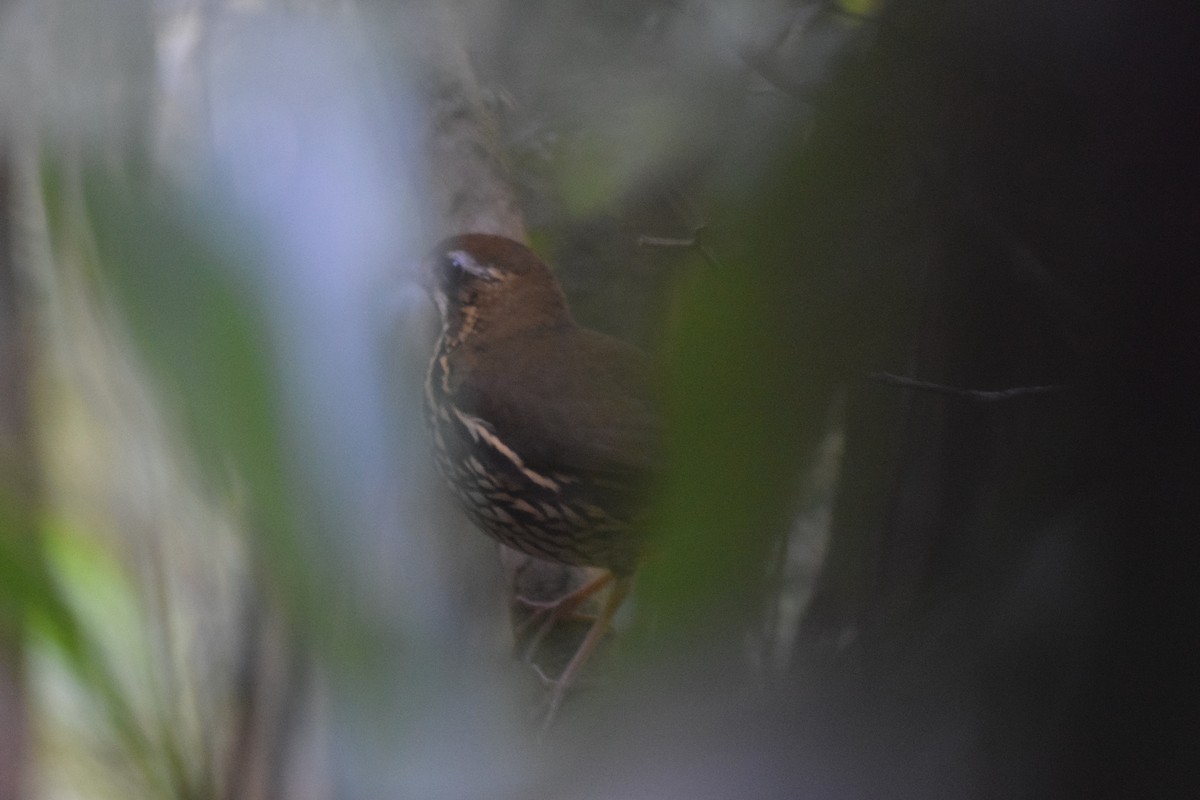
548, 614
619, 592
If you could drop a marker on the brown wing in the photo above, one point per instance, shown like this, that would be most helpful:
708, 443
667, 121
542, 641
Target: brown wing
593, 413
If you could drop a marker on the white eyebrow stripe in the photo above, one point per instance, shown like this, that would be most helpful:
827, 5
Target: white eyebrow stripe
467, 263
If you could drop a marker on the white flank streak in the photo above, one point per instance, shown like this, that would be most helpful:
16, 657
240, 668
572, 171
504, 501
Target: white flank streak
479, 430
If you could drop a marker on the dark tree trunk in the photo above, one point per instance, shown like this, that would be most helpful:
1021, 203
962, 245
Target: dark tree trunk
1011, 582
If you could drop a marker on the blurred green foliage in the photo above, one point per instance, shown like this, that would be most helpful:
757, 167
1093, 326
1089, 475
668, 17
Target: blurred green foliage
175, 275
180, 282
56, 588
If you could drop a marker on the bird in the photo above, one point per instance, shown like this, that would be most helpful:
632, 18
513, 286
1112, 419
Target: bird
548, 433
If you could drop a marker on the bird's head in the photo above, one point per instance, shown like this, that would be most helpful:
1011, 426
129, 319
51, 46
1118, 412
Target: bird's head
479, 279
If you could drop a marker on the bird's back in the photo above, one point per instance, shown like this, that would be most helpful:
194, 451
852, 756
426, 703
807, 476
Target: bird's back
551, 439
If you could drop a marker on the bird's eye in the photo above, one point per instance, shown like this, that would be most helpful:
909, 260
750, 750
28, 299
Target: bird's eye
450, 271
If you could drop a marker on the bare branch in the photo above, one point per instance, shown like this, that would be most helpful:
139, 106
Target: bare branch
981, 395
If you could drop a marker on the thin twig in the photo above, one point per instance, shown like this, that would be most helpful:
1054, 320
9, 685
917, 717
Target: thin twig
766, 65
663, 241
982, 395
694, 243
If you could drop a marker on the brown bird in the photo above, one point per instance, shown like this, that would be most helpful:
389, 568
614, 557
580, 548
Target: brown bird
547, 432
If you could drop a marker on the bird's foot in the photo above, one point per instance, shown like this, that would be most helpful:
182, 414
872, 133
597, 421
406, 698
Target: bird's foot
558, 687
546, 614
